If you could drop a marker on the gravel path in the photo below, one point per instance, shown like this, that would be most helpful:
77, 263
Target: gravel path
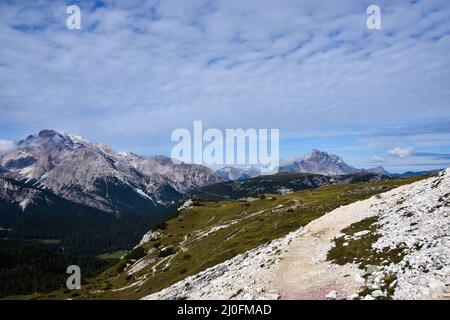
304, 272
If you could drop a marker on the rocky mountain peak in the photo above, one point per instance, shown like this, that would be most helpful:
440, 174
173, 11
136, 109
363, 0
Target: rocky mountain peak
378, 170
48, 139
48, 133
320, 162
322, 156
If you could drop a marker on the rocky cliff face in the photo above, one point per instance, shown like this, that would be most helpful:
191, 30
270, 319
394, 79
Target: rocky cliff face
181, 176
13, 193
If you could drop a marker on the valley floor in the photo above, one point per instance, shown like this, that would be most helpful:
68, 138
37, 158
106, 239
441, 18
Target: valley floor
393, 245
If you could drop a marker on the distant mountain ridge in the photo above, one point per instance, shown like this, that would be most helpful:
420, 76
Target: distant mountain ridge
238, 174
314, 162
378, 170
415, 173
321, 162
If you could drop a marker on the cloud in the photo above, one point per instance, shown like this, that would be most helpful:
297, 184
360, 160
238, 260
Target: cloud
401, 152
433, 155
6, 146
138, 70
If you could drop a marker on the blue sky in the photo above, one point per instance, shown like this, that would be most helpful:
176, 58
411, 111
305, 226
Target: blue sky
139, 69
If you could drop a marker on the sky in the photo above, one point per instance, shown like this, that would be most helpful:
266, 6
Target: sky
137, 70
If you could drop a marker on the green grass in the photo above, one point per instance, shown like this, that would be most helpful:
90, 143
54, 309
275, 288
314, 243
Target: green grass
47, 241
359, 251
189, 244
113, 255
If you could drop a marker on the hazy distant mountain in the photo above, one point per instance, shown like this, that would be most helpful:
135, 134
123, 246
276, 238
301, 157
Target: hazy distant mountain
319, 162
415, 173
238, 174
378, 170
275, 184
97, 176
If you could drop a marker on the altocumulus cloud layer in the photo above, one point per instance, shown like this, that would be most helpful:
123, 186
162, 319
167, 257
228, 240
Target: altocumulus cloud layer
139, 69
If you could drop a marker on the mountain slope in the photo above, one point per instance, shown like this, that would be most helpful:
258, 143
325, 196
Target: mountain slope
393, 245
87, 197
29, 213
208, 233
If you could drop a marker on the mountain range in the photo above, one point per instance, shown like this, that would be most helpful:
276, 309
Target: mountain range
56, 173
94, 175
63, 197
97, 176
88, 196
52, 167
314, 162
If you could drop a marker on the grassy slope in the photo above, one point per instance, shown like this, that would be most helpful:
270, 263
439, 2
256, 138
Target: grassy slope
113, 255
242, 226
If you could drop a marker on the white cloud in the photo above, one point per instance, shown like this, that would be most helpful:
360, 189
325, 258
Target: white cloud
6, 145
138, 70
401, 152
274, 61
